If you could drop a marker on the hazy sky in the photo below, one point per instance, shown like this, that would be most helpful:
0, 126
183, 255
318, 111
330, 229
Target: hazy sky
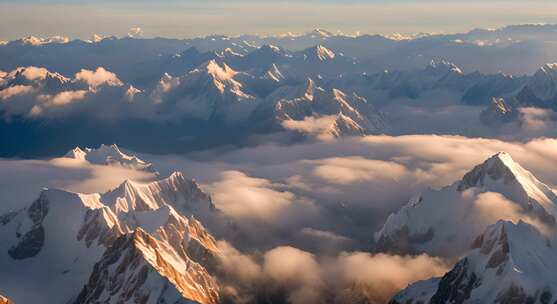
173, 18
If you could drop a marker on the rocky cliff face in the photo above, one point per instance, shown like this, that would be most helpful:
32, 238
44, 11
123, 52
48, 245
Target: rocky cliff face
4, 300
138, 268
508, 263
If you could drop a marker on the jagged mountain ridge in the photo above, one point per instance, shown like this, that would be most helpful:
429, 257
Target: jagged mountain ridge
4, 300
110, 155
376, 51
208, 92
73, 232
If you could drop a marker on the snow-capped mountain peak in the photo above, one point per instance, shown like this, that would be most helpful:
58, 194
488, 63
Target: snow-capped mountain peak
501, 167
149, 230
320, 33
498, 111
319, 53
35, 75
4, 300
110, 155
177, 191
220, 72
310, 89
37, 41
443, 67
274, 74
544, 82
426, 223
549, 68
269, 49
345, 126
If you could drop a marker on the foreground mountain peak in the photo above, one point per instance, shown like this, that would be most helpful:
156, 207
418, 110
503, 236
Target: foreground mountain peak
509, 263
141, 235
426, 223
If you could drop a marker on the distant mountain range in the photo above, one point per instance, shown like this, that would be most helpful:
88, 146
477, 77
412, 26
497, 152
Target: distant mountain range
194, 94
517, 49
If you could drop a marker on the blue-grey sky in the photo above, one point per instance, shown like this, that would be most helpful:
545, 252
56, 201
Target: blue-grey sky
188, 18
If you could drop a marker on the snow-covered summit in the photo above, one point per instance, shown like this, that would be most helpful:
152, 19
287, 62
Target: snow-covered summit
320, 33
274, 74
210, 91
502, 172
110, 155
443, 67
64, 234
218, 72
38, 77
319, 53
442, 222
544, 82
176, 191
37, 41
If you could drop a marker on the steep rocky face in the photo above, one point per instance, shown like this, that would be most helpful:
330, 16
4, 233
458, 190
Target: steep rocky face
319, 53
139, 269
456, 285
427, 222
498, 112
31, 242
4, 300
345, 126
508, 263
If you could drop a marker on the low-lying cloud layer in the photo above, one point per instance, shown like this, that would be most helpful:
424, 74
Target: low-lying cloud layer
298, 276
306, 213
344, 188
